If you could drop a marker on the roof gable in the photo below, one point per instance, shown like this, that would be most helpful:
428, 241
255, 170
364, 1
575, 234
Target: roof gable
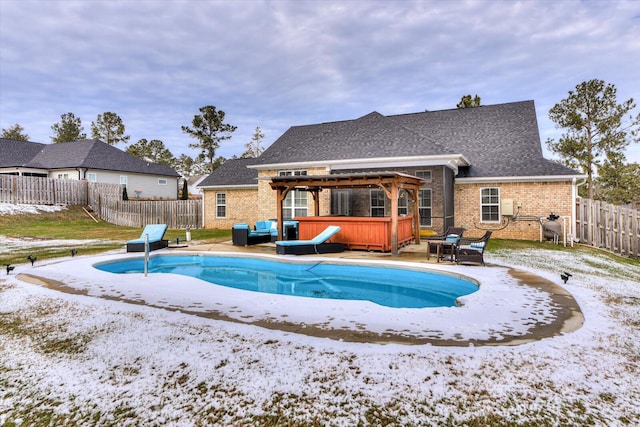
17, 153
370, 136
232, 172
93, 154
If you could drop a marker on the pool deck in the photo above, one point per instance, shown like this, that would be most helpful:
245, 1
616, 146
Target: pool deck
512, 307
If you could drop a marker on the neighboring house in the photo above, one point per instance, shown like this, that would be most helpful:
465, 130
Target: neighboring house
91, 160
192, 185
483, 169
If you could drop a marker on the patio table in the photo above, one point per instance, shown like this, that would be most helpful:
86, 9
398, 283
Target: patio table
440, 245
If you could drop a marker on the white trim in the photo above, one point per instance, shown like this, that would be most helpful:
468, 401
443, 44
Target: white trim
498, 204
452, 161
502, 179
224, 194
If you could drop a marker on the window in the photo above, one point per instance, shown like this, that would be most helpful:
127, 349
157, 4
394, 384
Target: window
490, 204
424, 200
295, 204
377, 202
162, 181
63, 176
426, 175
403, 203
123, 180
221, 205
424, 206
294, 173
91, 177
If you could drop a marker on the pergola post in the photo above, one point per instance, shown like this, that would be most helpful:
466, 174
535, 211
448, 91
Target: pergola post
394, 219
416, 215
281, 195
316, 202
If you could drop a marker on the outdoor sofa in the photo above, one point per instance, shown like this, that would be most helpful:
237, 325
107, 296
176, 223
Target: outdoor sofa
156, 238
243, 235
262, 232
318, 245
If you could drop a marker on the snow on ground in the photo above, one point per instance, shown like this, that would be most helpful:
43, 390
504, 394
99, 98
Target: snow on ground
10, 244
11, 209
485, 315
76, 359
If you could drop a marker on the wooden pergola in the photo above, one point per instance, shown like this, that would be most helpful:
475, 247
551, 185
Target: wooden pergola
390, 182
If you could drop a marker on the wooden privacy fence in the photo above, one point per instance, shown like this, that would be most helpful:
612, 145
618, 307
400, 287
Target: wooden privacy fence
42, 191
105, 200
608, 226
138, 213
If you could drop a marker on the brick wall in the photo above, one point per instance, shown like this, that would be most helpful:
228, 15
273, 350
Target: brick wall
267, 203
536, 199
242, 206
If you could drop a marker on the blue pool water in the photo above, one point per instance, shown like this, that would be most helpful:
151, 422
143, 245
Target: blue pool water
392, 287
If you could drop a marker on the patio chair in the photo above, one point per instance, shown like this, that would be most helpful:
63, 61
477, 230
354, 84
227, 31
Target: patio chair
317, 245
156, 241
446, 249
471, 251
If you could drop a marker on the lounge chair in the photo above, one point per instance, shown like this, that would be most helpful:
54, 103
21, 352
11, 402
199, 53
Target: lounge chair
317, 245
156, 241
471, 251
446, 249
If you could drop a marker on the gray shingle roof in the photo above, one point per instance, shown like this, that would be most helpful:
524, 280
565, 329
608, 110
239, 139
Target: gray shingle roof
15, 153
232, 172
370, 136
92, 154
499, 140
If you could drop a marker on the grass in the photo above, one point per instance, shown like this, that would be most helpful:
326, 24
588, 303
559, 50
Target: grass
51, 329
74, 224
47, 336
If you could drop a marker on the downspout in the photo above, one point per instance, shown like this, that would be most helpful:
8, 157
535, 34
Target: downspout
203, 203
574, 197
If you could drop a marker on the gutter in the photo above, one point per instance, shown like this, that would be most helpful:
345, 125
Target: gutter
537, 178
452, 161
228, 187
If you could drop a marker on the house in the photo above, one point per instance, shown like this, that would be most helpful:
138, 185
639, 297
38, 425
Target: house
91, 160
482, 169
192, 186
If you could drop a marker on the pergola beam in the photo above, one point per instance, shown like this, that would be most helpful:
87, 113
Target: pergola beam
390, 182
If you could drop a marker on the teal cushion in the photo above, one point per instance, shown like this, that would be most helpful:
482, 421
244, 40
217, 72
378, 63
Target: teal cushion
453, 238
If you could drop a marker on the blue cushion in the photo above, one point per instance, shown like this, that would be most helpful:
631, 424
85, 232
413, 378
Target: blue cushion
477, 245
325, 235
453, 238
155, 232
263, 225
241, 226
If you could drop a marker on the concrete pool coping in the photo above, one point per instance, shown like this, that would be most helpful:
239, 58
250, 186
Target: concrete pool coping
512, 306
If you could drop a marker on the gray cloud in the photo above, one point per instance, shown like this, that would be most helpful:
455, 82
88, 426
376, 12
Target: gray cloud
275, 64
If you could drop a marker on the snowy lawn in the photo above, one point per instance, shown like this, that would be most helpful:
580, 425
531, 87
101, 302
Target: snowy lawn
73, 359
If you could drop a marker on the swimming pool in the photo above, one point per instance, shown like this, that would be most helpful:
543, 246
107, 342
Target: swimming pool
391, 287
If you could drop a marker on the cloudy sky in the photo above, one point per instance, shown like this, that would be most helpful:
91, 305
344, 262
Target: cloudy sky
275, 64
